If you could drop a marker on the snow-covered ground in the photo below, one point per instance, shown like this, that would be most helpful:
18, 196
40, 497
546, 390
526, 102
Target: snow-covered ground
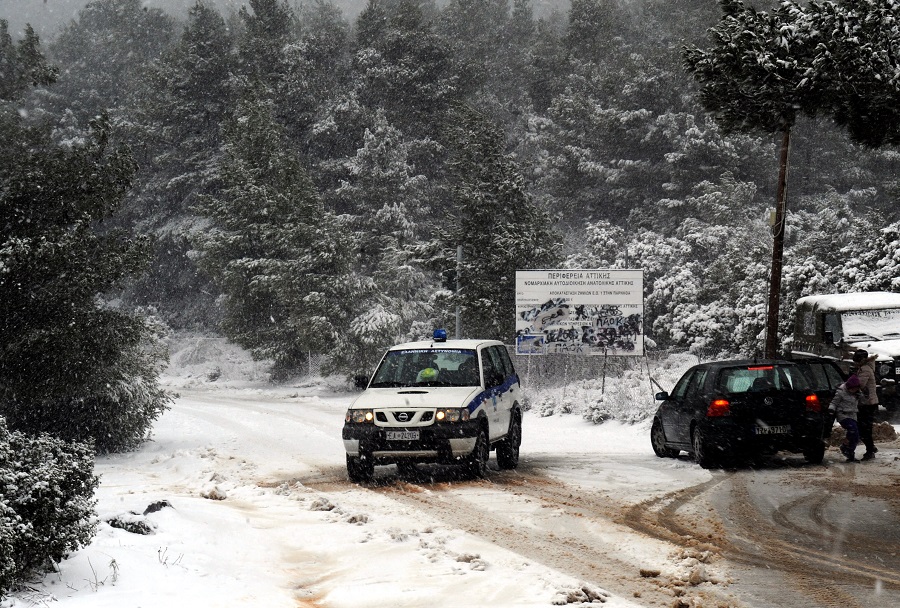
249, 506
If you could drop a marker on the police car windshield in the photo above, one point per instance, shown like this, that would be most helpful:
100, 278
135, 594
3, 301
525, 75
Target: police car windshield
427, 367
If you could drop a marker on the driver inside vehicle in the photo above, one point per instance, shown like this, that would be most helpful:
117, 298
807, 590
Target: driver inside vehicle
429, 374
428, 369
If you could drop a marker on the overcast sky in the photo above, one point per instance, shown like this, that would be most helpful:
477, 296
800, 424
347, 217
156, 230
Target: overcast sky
48, 16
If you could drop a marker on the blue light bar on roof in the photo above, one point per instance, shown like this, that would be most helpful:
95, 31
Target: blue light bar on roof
440, 335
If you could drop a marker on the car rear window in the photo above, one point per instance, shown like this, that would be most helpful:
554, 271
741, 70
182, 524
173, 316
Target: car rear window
760, 378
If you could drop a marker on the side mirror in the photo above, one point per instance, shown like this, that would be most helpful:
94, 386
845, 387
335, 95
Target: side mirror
829, 337
662, 396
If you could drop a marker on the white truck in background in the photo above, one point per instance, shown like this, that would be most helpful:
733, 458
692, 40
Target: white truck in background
836, 325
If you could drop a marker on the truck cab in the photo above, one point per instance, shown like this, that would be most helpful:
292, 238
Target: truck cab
836, 325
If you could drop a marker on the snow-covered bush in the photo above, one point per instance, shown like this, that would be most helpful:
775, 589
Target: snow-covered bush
113, 405
621, 390
47, 505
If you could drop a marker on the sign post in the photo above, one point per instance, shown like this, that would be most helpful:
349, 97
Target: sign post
580, 312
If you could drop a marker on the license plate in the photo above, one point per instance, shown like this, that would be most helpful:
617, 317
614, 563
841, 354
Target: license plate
402, 435
773, 430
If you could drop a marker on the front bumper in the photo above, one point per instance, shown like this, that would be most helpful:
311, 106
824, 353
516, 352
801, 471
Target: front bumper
443, 443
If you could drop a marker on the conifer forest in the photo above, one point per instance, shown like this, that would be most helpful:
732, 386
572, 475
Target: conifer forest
300, 179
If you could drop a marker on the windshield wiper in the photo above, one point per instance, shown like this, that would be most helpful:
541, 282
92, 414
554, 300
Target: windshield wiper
387, 384
861, 338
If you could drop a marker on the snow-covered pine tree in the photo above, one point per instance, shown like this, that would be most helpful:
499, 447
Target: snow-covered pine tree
382, 198
71, 363
173, 125
318, 68
22, 64
268, 27
97, 66
47, 505
856, 66
500, 229
474, 29
405, 67
880, 261
757, 77
282, 262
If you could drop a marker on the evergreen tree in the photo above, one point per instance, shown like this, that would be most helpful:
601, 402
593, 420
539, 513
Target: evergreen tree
268, 27
103, 51
405, 67
498, 226
22, 65
857, 66
178, 107
758, 77
318, 68
608, 150
70, 364
550, 63
382, 198
475, 28
874, 265
595, 29
281, 260
47, 505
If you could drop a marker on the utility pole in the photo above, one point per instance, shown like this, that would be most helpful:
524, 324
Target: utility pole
458, 270
777, 248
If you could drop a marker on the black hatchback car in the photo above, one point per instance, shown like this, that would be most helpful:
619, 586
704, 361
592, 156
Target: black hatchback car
726, 411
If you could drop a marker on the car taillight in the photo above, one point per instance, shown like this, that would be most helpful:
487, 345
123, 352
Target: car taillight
718, 407
812, 404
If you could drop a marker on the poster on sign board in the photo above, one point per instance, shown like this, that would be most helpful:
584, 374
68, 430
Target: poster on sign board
580, 312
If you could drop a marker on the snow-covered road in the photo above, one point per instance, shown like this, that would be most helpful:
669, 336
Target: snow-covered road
261, 514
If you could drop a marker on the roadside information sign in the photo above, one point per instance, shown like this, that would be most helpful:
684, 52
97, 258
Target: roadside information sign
580, 312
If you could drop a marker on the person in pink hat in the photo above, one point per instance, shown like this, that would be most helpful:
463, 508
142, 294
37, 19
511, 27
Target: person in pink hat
845, 406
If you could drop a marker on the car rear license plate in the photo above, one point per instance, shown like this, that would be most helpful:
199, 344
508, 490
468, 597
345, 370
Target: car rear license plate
402, 435
773, 430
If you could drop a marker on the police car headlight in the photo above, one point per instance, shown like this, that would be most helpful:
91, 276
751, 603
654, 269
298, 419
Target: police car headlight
885, 369
452, 415
359, 416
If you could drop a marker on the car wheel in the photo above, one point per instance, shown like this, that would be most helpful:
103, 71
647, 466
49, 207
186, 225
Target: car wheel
702, 449
508, 449
360, 469
477, 466
815, 452
658, 441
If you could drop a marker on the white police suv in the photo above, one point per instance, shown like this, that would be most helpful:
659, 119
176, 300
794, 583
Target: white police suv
440, 401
